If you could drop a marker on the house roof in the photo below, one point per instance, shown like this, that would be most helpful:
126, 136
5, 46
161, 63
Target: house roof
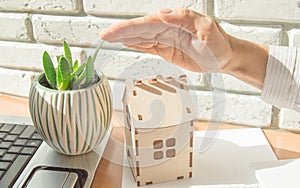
159, 102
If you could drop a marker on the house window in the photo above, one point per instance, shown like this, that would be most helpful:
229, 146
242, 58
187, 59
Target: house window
170, 142
158, 155
157, 144
170, 153
158, 148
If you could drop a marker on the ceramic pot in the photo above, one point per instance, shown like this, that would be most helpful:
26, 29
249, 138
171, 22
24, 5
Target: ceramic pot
72, 122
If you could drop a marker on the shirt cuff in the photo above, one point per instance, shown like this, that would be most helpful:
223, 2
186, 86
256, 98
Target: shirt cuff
281, 84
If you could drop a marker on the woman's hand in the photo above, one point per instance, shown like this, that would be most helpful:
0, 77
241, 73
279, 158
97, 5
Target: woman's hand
184, 37
193, 41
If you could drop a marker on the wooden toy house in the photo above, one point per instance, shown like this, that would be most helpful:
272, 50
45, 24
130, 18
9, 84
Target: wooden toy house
159, 117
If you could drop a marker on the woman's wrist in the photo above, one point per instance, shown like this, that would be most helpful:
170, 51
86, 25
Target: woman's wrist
248, 62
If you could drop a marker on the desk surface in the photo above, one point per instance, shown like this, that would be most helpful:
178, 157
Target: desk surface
109, 174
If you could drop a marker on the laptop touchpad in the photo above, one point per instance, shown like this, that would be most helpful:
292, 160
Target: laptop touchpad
53, 178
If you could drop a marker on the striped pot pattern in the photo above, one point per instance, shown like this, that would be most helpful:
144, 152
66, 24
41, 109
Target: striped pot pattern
72, 122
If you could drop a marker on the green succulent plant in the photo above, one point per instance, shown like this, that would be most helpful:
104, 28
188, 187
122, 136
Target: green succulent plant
69, 75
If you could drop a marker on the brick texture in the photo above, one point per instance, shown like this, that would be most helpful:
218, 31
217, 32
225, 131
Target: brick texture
19, 55
137, 8
294, 37
15, 82
15, 27
232, 108
80, 31
259, 34
46, 6
289, 120
124, 65
288, 10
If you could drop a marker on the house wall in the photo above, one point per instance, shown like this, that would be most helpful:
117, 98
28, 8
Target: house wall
28, 27
159, 149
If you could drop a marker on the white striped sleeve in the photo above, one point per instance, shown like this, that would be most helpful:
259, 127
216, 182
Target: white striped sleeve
282, 81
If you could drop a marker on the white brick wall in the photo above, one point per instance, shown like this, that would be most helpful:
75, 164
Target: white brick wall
82, 31
266, 35
29, 56
294, 37
47, 6
28, 27
289, 120
233, 108
15, 82
14, 27
140, 7
287, 10
124, 64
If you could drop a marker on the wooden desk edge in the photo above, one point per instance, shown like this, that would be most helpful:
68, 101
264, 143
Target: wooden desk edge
285, 145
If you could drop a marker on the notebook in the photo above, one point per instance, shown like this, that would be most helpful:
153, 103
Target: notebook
27, 161
225, 163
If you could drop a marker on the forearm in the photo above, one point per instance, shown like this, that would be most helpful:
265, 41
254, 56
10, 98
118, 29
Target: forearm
248, 63
274, 69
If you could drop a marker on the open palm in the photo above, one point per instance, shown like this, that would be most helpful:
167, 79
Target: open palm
186, 38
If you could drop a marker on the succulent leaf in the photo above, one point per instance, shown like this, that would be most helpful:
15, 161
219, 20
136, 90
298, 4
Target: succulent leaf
68, 54
49, 70
78, 70
97, 50
58, 58
77, 83
68, 75
75, 65
89, 71
64, 71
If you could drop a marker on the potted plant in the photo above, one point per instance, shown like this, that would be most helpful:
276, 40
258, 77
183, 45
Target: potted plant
71, 105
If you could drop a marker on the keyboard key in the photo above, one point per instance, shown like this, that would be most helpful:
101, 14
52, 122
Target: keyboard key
5, 144
14, 171
20, 142
28, 132
15, 149
36, 136
9, 157
7, 127
34, 143
2, 172
2, 135
11, 138
2, 152
4, 165
18, 129
28, 151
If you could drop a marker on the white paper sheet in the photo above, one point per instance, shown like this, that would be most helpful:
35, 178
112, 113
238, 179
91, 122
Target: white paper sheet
226, 163
278, 174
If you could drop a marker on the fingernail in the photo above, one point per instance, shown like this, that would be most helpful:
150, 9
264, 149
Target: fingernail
165, 11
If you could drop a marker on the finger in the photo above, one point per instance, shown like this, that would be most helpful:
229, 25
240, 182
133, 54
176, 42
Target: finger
186, 19
173, 37
147, 18
146, 30
147, 25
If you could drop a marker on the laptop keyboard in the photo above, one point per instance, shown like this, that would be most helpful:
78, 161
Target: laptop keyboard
18, 143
